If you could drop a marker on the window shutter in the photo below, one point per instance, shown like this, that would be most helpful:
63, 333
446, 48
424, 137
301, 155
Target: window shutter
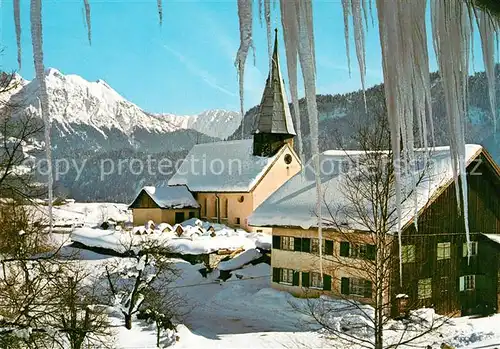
370, 252
368, 289
329, 247
481, 282
344, 249
344, 286
276, 242
327, 282
295, 281
305, 279
306, 245
462, 283
276, 274
464, 249
297, 242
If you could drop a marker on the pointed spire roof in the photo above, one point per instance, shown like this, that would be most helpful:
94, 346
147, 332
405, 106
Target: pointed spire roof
274, 114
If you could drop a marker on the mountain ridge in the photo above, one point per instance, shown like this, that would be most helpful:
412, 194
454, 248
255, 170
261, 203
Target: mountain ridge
76, 101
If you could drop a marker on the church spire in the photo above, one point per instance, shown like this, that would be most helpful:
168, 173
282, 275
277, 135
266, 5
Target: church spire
273, 124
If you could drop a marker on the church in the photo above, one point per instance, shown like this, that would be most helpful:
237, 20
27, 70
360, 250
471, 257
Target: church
230, 179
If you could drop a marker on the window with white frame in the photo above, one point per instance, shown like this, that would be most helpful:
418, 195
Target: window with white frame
443, 250
357, 287
473, 248
408, 253
315, 246
286, 276
316, 280
287, 243
467, 282
424, 288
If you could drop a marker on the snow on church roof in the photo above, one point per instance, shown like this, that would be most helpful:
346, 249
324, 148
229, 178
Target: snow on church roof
227, 166
293, 205
171, 196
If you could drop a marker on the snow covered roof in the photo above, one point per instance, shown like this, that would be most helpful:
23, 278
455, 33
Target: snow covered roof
222, 167
170, 196
293, 204
493, 237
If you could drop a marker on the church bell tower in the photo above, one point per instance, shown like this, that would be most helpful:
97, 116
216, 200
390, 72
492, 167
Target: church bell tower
273, 126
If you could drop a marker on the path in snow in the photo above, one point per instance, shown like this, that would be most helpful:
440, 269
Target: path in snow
239, 306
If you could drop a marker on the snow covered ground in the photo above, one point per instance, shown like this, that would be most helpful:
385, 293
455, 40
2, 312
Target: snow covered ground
80, 213
244, 312
195, 239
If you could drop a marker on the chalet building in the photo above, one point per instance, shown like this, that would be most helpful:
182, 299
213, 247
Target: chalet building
436, 271
164, 204
231, 179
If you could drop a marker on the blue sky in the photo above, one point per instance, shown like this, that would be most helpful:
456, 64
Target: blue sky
187, 65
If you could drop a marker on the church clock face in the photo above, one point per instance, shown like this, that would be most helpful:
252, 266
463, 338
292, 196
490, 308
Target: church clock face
288, 159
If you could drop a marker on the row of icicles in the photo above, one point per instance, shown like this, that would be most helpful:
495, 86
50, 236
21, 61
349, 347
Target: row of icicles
403, 37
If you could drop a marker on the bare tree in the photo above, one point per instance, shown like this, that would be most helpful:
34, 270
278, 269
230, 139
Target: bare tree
130, 283
163, 306
45, 301
18, 128
78, 316
366, 219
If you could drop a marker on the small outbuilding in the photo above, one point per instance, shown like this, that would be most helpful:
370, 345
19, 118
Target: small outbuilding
168, 204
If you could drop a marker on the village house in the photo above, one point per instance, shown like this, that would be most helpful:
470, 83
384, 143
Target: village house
230, 179
166, 204
436, 269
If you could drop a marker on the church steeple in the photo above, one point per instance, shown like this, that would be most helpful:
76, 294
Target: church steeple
273, 126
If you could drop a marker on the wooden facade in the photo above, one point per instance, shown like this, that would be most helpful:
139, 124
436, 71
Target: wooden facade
443, 222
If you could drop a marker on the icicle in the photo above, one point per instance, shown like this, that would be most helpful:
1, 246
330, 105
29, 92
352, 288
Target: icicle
160, 11
245, 19
87, 20
359, 40
310, 30
267, 14
36, 39
306, 57
451, 36
407, 88
346, 6
364, 6
291, 36
487, 32
260, 12
17, 23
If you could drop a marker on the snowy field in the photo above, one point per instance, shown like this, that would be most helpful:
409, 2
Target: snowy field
80, 214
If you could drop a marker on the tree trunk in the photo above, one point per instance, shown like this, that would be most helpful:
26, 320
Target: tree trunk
128, 321
158, 332
379, 292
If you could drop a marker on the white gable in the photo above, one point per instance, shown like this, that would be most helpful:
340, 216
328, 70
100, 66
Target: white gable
176, 197
222, 167
294, 203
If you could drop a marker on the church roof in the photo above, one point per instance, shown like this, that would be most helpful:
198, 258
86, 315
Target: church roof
274, 114
227, 166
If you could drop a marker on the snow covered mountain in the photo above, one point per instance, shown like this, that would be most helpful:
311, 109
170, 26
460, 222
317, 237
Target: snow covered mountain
207, 121
84, 109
